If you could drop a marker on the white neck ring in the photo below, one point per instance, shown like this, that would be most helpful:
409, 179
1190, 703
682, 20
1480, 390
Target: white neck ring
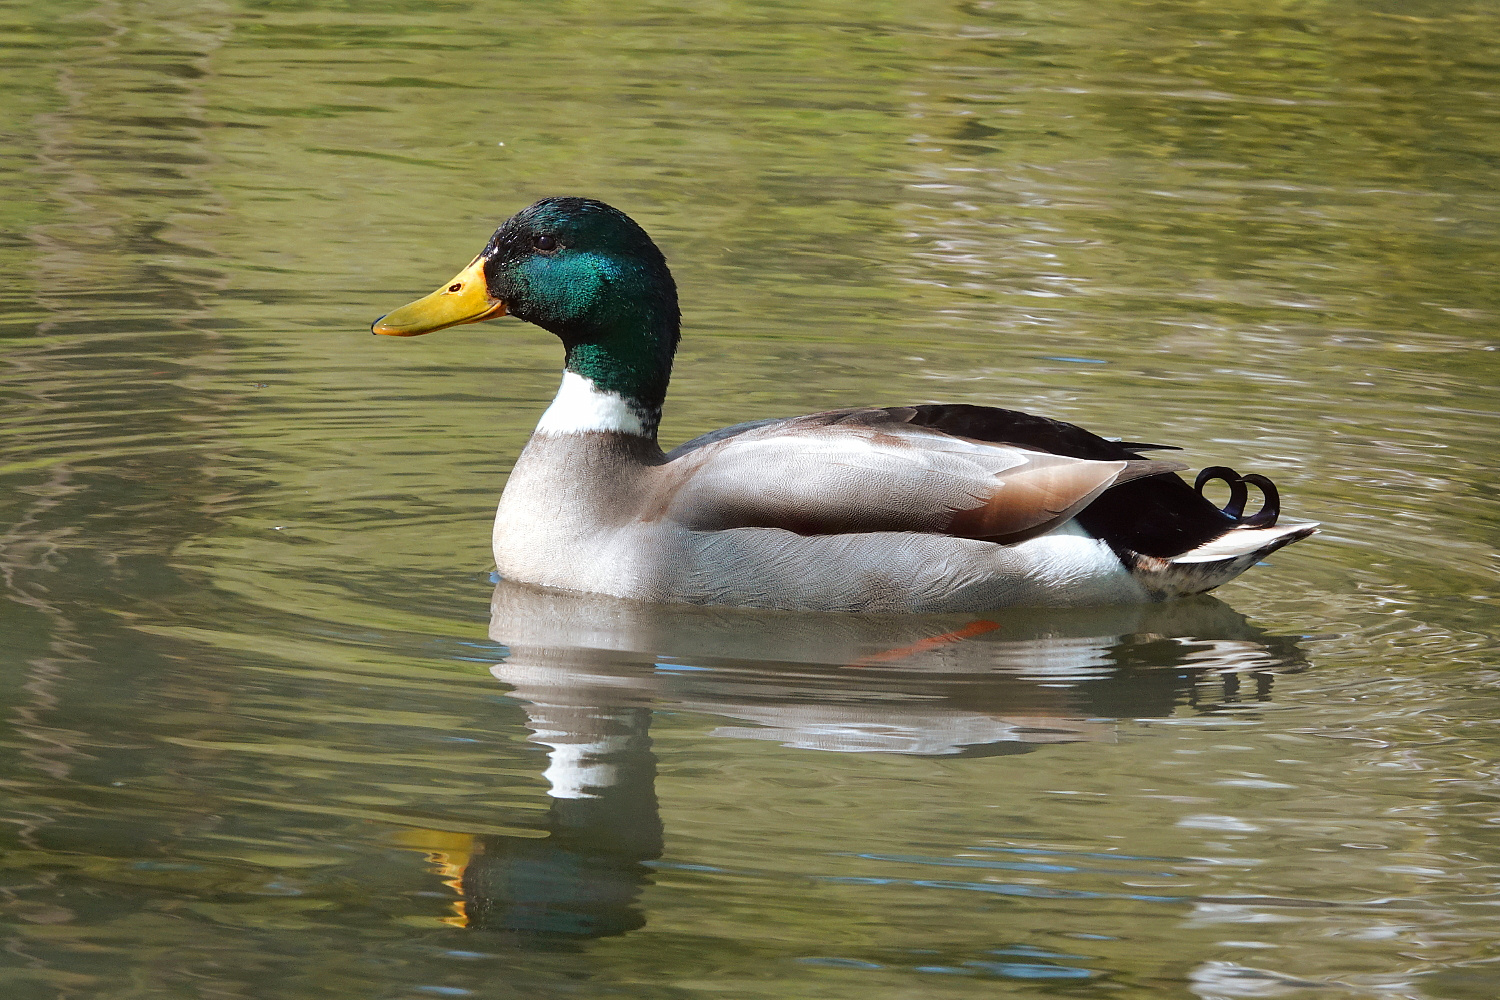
581, 407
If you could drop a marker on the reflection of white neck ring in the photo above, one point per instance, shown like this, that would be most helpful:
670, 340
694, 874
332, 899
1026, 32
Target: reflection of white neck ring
575, 767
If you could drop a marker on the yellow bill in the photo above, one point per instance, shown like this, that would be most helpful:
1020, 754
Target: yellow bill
465, 299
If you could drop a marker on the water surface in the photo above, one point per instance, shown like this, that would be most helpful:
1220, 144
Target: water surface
271, 730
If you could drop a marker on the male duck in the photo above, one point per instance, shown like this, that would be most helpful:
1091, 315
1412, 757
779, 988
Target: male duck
909, 508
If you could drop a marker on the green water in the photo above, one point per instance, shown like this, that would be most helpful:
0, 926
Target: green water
270, 732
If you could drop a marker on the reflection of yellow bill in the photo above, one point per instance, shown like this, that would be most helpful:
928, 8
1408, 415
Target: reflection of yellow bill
465, 299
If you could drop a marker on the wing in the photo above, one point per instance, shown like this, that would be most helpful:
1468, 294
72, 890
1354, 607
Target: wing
965, 420
878, 470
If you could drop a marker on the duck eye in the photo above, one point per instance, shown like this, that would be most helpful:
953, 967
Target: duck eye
544, 242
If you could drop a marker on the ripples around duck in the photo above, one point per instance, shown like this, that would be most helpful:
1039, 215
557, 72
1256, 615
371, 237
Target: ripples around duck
267, 731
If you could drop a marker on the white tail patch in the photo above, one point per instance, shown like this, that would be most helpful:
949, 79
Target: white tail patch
1215, 563
1245, 541
581, 407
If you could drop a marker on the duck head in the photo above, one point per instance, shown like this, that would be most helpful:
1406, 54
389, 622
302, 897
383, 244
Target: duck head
580, 269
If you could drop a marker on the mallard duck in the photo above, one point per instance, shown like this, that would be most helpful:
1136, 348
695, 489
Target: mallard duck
933, 507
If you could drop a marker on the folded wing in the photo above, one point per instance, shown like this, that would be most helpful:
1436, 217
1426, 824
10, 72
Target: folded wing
852, 471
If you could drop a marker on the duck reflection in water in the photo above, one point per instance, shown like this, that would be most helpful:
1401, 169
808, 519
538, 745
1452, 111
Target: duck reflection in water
583, 879
589, 670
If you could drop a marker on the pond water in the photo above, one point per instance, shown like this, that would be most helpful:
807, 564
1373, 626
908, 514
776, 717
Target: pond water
269, 729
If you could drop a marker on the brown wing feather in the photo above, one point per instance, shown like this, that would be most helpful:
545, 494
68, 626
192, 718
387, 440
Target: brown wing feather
1027, 502
1034, 501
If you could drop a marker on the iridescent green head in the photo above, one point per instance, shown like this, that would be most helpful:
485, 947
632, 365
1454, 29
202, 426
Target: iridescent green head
582, 270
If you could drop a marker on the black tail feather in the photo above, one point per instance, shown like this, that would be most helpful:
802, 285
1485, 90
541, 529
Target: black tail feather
1270, 507
1239, 493
1143, 446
